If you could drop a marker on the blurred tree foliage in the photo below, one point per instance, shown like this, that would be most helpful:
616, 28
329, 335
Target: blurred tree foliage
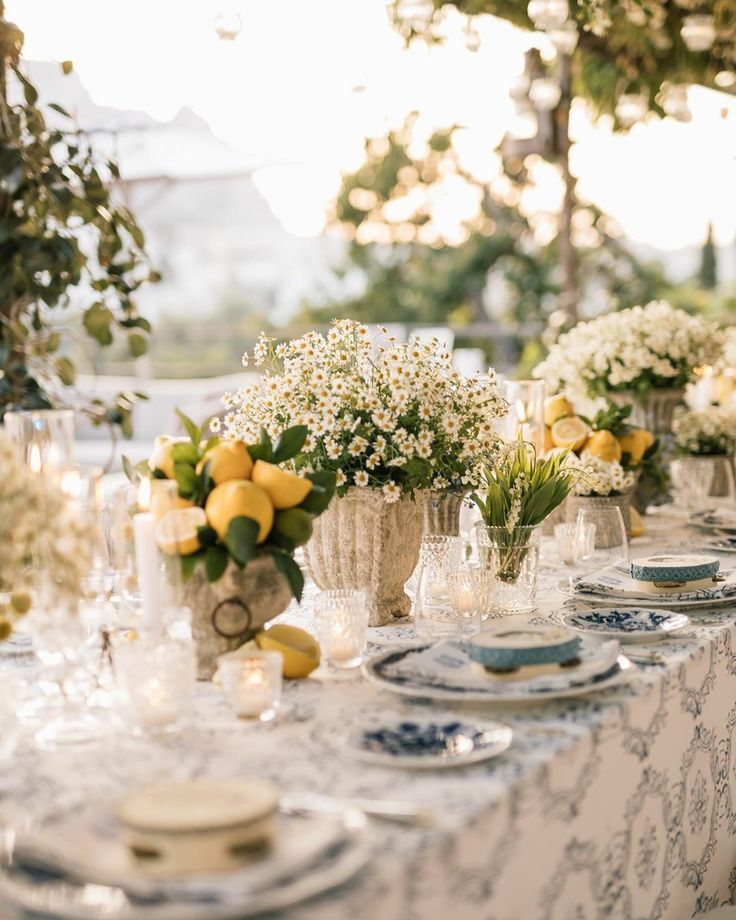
497, 264
624, 45
708, 274
61, 234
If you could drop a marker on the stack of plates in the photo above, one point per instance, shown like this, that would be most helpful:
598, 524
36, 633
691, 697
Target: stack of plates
722, 527
76, 866
614, 585
446, 672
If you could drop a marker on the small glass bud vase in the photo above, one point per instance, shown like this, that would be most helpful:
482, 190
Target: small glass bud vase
434, 617
511, 559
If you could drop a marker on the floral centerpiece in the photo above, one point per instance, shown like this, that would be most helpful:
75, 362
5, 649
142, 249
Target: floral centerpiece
239, 516
706, 440
707, 432
631, 355
391, 423
38, 524
519, 491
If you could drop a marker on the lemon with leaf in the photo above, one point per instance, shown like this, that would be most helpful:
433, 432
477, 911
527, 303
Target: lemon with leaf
239, 498
285, 489
176, 531
225, 461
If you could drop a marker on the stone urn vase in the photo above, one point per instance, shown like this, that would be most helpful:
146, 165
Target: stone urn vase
442, 514
655, 414
228, 612
364, 543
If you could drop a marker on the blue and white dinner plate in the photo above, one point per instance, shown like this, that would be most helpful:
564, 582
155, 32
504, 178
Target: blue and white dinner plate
627, 624
656, 600
427, 742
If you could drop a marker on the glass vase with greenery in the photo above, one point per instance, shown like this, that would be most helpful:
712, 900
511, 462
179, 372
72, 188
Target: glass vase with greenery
518, 493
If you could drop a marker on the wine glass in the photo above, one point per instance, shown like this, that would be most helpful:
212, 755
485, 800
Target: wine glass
600, 537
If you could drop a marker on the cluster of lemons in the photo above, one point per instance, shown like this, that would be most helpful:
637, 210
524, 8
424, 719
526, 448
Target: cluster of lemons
262, 491
259, 490
564, 429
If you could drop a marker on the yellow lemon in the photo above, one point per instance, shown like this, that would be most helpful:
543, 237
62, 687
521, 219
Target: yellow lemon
556, 407
227, 460
162, 501
637, 525
570, 432
285, 489
239, 498
604, 445
636, 443
176, 532
161, 458
548, 442
299, 648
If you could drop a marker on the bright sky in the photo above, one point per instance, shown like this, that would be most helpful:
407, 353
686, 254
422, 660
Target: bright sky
284, 92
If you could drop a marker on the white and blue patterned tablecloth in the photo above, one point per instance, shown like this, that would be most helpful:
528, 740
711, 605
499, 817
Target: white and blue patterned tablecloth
619, 805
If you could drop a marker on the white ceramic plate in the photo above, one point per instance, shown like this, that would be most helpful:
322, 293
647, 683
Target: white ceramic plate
378, 670
667, 603
66, 894
416, 741
627, 624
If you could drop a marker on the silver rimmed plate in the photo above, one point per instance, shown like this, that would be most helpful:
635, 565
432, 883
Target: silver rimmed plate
621, 600
723, 520
39, 877
627, 624
435, 741
600, 666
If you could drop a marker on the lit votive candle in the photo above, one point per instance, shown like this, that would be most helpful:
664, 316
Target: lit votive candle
341, 620
155, 681
252, 683
566, 540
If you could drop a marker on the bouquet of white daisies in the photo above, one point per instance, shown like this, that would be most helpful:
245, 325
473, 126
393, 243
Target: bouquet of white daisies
638, 349
599, 477
397, 417
707, 432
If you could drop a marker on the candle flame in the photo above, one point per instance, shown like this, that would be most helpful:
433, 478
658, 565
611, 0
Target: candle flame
71, 483
34, 460
144, 494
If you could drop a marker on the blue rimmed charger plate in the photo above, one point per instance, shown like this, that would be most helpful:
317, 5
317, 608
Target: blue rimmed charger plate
427, 742
627, 624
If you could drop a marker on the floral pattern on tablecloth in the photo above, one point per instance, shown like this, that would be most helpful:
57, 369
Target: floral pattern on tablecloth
620, 805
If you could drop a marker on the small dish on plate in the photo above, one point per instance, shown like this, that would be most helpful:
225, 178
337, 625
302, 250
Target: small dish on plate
627, 624
433, 742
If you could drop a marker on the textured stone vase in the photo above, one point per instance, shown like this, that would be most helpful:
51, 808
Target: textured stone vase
656, 413
362, 542
577, 503
442, 514
722, 485
228, 612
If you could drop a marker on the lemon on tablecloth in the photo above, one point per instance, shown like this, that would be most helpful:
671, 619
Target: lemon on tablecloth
176, 532
299, 648
284, 488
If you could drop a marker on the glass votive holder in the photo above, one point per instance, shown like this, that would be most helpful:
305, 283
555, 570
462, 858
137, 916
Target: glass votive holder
466, 591
341, 621
567, 543
155, 682
252, 683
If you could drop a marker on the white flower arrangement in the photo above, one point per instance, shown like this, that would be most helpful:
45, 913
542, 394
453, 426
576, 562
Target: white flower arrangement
36, 515
638, 349
599, 477
397, 420
705, 432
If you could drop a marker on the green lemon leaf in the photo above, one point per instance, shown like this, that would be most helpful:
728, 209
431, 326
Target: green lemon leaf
291, 571
290, 443
240, 539
215, 562
191, 429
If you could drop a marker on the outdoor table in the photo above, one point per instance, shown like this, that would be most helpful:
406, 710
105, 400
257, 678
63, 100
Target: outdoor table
618, 804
